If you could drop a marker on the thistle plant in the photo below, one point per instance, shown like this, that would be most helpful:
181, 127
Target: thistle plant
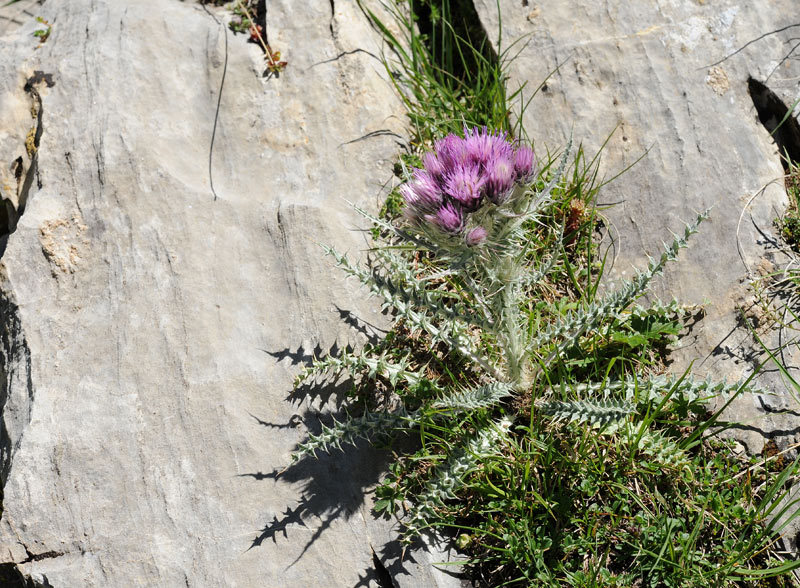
501, 363
470, 210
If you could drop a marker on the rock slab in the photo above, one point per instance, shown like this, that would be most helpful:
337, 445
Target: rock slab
151, 330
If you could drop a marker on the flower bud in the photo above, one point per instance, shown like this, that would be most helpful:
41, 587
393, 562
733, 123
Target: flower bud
476, 236
524, 163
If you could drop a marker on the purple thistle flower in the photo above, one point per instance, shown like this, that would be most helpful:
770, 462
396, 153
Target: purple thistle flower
465, 184
479, 146
448, 218
411, 198
461, 171
524, 163
500, 176
426, 186
476, 236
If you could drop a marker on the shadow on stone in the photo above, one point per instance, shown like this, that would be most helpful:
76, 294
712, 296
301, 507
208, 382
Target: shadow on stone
774, 115
318, 392
371, 332
767, 433
334, 486
386, 566
11, 577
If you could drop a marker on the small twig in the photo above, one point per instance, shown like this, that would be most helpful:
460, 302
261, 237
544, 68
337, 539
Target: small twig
274, 65
784, 58
253, 25
342, 54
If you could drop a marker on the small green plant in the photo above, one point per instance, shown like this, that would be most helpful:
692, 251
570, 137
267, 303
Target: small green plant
445, 69
44, 33
244, 22
241, 22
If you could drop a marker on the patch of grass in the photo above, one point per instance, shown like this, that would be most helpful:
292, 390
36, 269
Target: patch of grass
448, 75
444, 69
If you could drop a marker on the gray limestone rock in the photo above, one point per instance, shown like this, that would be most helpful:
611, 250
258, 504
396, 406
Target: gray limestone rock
151, 331
667, 81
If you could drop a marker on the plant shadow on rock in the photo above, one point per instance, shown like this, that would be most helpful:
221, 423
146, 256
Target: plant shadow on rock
333, 488
333, 485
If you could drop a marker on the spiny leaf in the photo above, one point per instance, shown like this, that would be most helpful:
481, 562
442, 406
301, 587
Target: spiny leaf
449, 477
350, 430
364, 364
595, 412
474, 398
571, 328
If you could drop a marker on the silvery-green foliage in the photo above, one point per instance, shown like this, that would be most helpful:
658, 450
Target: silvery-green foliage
362, 364
449, 477
371, 424
571, 328
422, 310
596, 413
349, 430
479, 397
684, 389
658, 447
611, 417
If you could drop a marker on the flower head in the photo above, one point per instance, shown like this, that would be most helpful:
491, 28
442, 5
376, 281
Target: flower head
422, 194
483, 146
479, 145
464, 185
433, 165
500, 176
476, 236
452, 152
460, 174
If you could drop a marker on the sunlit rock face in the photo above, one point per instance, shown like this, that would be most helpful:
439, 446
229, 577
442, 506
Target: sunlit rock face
152, 325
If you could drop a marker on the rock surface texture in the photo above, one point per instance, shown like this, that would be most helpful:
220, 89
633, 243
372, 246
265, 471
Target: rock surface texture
150, 332
670, 80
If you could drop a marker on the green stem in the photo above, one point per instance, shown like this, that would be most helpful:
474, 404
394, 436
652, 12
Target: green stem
508, 328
